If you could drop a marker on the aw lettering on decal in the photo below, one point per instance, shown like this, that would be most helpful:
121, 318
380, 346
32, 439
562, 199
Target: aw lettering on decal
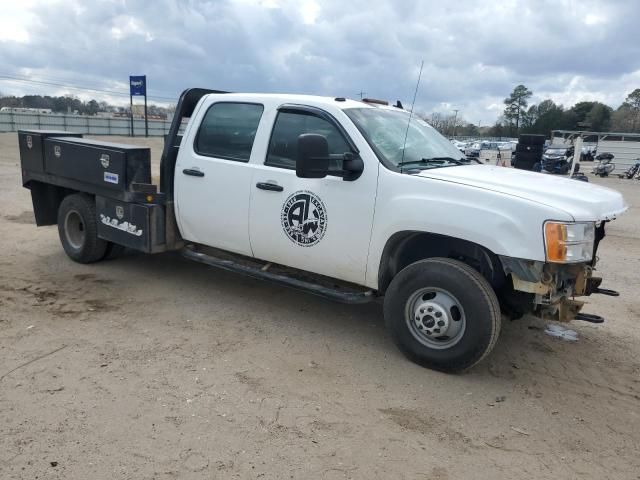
304, 218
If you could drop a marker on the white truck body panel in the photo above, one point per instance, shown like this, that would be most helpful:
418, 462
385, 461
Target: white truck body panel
212, 210
581, 200
501, 209
348, 207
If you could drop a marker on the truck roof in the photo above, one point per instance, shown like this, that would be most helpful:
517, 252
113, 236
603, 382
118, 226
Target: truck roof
339, 102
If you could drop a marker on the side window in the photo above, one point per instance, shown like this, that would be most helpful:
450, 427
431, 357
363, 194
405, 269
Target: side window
283, 147
228, 130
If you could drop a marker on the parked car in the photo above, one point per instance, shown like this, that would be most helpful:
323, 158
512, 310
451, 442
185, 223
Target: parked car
554, 152
474, 149
557, 160
459, 145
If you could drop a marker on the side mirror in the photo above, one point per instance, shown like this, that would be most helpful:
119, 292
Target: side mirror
313, 156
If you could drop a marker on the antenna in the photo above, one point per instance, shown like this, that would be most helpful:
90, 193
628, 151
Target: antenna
413, 104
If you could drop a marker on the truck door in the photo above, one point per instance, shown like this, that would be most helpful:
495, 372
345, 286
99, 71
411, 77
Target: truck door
318, 225
213, 176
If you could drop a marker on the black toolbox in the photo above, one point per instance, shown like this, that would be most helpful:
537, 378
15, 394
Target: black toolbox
111, 166
31, 143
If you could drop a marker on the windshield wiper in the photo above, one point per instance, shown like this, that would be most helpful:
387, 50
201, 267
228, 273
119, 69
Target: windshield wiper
434, 161
457, 161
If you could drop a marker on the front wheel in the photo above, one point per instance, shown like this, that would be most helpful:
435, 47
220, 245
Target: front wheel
442, 314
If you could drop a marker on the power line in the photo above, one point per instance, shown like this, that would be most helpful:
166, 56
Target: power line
77, 87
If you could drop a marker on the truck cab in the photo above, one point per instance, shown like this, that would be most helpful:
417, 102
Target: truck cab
354, 201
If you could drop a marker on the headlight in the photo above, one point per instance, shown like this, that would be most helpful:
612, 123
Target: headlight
569, 242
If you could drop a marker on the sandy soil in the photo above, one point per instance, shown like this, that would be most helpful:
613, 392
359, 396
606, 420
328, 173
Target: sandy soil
158, 368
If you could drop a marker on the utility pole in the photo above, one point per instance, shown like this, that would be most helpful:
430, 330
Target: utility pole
146, 117
455, 119
361, 94
131, 112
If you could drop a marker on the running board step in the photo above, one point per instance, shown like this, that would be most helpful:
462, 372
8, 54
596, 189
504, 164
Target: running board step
589, 317
262, 273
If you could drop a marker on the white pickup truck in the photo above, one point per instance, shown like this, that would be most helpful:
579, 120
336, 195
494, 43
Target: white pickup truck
347, 199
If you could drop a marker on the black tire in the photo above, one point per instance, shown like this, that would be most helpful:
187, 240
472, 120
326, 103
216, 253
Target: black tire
78, 229
580, 176
529, 148
479, 312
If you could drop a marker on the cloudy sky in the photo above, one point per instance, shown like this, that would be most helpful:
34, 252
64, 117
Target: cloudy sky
474, 52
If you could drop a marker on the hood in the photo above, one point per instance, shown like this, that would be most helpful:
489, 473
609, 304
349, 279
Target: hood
582, 200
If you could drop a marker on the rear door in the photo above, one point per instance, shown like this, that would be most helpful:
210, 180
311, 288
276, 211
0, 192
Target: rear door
213, 175
318, 225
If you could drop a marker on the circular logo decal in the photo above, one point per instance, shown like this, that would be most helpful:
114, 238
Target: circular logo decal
304, 218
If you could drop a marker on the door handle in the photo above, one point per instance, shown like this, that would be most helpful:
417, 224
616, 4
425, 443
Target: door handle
269, 186
193, 172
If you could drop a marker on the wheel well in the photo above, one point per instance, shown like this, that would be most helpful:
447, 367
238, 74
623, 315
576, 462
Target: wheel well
46, 200
405, 248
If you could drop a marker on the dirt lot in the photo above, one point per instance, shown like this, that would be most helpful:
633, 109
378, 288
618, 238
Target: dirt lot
158, 368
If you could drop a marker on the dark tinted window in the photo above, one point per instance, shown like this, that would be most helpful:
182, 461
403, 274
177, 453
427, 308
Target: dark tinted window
283, 148
228, 130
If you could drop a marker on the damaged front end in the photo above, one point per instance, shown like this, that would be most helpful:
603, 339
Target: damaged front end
548, 290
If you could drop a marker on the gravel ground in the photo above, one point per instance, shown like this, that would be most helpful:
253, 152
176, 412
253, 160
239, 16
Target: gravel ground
152, 367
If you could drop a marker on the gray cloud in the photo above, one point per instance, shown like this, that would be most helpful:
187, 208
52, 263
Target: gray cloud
474, 52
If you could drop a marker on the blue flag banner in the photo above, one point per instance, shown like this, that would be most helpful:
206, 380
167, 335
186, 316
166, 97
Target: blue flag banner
138, 85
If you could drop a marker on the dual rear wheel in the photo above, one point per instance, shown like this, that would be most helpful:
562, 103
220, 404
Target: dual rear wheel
78, 230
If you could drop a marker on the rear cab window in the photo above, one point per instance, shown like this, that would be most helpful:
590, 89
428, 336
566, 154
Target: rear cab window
228, 130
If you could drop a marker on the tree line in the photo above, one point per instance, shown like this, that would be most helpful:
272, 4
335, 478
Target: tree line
520, 117
592, 116
72, 105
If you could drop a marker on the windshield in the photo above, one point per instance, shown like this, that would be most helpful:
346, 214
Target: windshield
556, 151
385, 131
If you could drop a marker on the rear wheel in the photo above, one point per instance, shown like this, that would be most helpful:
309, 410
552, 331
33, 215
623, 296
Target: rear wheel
442, 314
78, 229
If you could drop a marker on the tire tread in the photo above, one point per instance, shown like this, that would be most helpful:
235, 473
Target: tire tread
96, 249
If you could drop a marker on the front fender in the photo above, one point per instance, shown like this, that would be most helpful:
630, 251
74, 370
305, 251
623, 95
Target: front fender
503, 224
